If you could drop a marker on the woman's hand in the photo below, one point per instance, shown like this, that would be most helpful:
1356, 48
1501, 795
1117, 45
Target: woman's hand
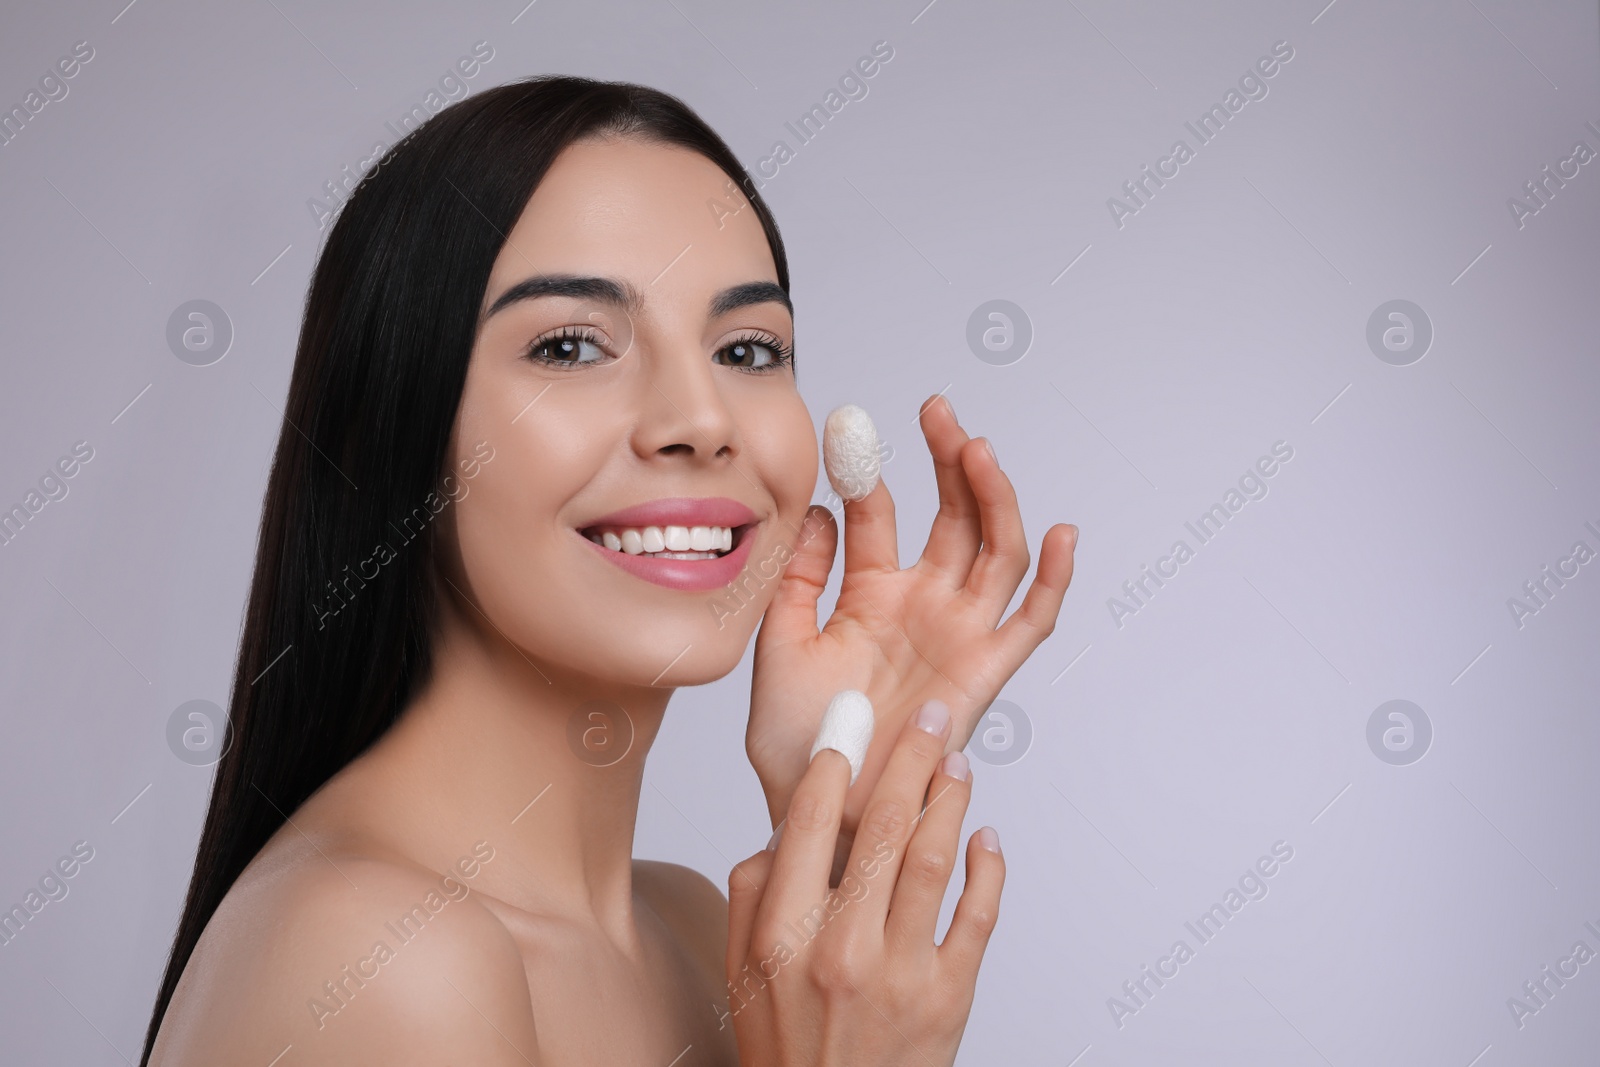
852, 975
930, 631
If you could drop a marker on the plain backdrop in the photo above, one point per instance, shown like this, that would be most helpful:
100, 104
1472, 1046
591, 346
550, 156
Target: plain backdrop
1159, 744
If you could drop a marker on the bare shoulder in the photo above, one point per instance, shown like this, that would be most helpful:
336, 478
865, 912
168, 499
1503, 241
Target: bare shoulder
691, 904
344, 958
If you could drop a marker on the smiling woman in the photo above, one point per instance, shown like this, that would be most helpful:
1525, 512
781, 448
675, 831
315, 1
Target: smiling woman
533, 272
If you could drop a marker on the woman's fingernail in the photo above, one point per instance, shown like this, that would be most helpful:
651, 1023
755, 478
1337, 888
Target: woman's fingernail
990, 446
956, 766
933, 716
951, 406
988, 838
1074, 534
772, 842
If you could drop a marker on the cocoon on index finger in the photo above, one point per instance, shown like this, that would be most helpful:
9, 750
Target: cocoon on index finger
850, 451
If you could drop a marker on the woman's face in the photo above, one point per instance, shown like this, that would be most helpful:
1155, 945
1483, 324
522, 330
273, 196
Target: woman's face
630, 381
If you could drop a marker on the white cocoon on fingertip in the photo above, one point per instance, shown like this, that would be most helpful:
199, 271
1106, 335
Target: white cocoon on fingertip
850, 451
847, 729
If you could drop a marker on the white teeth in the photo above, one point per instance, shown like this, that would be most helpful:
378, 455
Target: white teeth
667, 542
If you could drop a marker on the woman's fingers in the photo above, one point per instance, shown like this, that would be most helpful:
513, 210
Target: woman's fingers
978, 909
792, 615
930, 859
1033, 621
891, 813
1002, 563
747, 882
803, 857
869, 537
956, 534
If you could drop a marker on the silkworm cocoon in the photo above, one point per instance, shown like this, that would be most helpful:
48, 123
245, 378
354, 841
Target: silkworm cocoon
850, 451
847, 729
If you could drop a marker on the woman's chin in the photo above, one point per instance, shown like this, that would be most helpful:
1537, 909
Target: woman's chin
665, 659
691, 662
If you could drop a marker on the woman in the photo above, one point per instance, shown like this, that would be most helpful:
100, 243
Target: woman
546, 329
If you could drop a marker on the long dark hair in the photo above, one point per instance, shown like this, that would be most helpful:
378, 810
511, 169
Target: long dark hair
389, 324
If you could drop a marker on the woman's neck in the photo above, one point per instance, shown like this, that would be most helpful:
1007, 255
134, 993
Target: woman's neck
544, 766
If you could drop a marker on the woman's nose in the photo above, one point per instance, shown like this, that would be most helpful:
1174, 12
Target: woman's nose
683, 407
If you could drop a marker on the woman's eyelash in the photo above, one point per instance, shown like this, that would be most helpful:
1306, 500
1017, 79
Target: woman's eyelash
781, 353
583, 335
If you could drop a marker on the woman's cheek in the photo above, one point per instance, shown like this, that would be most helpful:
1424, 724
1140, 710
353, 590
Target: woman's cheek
794, 462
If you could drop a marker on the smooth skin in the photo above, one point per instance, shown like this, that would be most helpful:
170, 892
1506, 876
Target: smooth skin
930, 631
560, 948
853, 974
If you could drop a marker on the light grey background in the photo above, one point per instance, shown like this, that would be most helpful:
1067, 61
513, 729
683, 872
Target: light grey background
1169, 354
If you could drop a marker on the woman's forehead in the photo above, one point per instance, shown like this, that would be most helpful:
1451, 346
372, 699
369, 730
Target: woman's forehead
657, 216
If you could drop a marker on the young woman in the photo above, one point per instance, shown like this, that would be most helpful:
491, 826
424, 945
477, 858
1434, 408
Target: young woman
551, 327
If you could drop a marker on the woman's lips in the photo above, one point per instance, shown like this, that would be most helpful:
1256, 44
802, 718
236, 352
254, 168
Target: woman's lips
680, 511
686, 574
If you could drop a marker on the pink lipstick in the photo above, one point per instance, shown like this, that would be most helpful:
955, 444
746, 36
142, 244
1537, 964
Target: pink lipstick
688, 543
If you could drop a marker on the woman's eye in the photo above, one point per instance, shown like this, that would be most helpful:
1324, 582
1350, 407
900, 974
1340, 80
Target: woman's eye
749, 354
567, 350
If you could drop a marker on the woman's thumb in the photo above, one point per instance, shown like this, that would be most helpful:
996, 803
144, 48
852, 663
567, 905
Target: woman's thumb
792, 614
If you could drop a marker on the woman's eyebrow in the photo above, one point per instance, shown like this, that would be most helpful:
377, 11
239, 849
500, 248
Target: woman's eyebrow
603, 290
738, 296
621, 294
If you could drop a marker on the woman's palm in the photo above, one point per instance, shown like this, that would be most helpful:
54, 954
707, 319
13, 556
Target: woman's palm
902, 636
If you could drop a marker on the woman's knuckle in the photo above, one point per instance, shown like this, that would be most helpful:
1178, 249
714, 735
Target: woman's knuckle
886, 820
929, 867
983, 918
764, 939
741, 880
810, 812
837, 969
